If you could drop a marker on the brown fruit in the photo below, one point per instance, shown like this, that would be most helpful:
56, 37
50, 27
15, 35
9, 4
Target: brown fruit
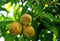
15, 28
25, 19
28, 31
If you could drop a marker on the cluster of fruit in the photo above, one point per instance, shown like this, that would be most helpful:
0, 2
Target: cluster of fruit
24, 26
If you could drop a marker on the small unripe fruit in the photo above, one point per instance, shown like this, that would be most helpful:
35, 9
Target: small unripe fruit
28, 31
15, 28
26, 19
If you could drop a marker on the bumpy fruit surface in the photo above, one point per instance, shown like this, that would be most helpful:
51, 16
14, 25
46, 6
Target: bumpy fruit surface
15, 28
25, 19
28, 31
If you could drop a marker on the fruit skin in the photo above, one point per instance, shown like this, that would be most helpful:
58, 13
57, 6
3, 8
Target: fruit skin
28, 31
15, 28
26, 19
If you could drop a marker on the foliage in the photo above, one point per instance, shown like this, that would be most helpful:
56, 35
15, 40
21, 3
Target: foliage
45, 18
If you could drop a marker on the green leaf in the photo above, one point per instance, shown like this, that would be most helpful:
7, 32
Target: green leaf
51, 27
20, 38
37, 8
49, 16
28, 4
0, 32
37, 1
56, 20
3, 9
46, 15
9, 38
45, 1
2, 2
